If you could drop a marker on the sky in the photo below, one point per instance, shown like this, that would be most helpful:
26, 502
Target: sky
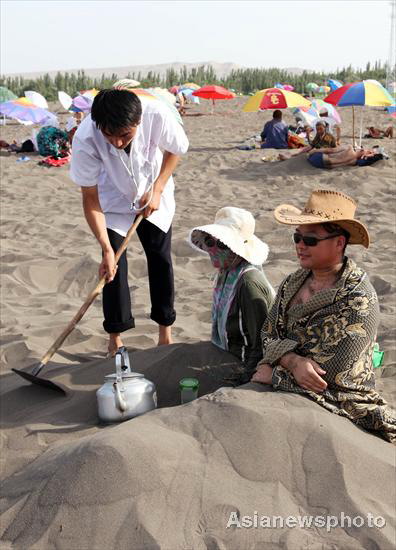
316, 34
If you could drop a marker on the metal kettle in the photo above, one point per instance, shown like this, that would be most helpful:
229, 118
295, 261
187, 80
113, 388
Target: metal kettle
125, 394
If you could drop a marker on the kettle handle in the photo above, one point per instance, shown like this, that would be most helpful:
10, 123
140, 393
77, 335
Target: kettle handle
119, 400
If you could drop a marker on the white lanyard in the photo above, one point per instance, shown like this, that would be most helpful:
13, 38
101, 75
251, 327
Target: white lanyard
132, 176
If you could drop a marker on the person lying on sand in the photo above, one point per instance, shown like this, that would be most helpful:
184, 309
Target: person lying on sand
319, 337
322, 140
242, 295
343, 155
124, 155
376, 133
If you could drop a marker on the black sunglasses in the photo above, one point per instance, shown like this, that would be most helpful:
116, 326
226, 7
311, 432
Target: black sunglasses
210, 242
311, 241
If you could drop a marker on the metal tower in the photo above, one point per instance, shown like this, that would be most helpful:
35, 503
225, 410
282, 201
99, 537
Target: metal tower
391, 62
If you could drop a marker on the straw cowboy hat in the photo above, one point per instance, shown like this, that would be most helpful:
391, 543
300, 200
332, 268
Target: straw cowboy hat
234, 227
326, 206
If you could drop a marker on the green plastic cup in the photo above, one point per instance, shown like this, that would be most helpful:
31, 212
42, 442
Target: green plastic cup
378, 357
188, 389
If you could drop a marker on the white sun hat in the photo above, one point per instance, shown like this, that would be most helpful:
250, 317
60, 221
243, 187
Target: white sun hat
234, 227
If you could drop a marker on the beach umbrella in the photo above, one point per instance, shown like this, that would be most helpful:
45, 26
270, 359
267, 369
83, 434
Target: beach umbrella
334, 84
274, 98
308, 115
6, 94
288, 87
81, 103
392, 111
323, 90
311, 87
174, 89
191, 85
148, 95
126, 83
320, 104
214, 93
278, 85
65, 100
187, 92
90, 93
37, 99
23, 109
372, 94
162, 93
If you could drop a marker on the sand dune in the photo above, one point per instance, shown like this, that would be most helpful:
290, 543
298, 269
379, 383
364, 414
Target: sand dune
171, 478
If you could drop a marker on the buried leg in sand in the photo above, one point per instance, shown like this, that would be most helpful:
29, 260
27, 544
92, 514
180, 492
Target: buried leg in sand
320, 334
109, 162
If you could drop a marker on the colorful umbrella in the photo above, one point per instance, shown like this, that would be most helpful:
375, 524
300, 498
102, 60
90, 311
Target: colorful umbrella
274, 98
360, 93
319, 104
6, 94
147, 95
288, 87
81, 103
334, 84
126, 83
278, 85
190, 85
25, 110
37, 99
392, 111
323, 89
307, 114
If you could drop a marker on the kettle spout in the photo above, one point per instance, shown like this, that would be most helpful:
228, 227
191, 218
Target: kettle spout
119, 400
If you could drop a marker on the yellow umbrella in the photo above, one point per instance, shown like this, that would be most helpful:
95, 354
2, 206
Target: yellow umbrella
191, 85
274, 98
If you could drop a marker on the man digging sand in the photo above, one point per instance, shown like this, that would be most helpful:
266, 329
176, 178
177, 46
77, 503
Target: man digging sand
124, 155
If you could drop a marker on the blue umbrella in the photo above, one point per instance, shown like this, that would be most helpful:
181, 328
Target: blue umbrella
278, 85
334, 84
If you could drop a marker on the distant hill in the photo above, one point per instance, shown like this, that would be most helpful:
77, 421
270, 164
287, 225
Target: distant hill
221, 69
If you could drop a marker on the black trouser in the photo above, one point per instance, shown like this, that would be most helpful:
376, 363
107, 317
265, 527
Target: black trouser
116, 296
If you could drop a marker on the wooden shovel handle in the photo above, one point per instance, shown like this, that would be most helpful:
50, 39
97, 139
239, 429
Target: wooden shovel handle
90, 298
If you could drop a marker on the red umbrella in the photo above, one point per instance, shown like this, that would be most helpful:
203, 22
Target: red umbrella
214, 92
174, 90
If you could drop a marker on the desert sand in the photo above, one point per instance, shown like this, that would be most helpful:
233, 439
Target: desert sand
171, 478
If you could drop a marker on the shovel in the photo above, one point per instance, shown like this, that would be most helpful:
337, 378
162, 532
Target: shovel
33, 376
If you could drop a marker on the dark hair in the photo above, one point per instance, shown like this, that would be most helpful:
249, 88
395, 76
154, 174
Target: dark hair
335, 228
113, 110
277, 114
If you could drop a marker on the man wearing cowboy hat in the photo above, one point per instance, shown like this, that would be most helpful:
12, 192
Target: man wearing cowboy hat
320, 334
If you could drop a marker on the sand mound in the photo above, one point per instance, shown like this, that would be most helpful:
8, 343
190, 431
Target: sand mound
236, 451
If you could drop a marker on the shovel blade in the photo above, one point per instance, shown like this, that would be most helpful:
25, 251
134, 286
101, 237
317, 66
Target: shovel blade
39, 381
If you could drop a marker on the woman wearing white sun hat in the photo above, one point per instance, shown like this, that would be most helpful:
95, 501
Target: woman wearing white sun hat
242, 295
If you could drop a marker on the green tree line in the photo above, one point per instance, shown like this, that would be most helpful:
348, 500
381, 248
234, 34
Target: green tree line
243, 81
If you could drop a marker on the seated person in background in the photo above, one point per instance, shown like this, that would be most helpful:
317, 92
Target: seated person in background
242, 295
343, 155
73, 123
275, 133
180, 103
322, 140
319, 337
376, 133
334, 127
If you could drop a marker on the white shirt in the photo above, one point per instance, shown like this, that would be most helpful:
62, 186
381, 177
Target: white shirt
96, 162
